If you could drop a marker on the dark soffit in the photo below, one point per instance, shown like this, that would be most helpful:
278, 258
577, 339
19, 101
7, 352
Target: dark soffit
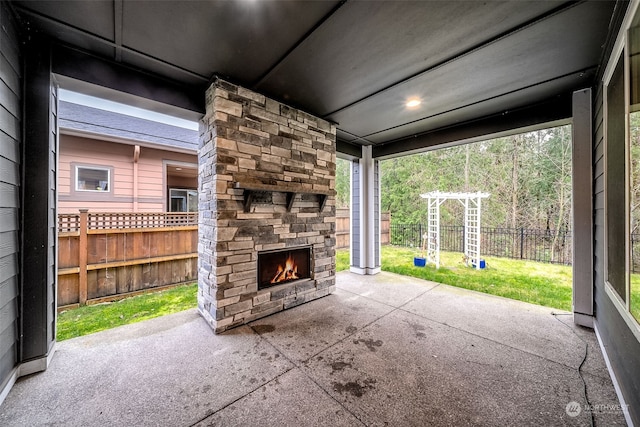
354, 63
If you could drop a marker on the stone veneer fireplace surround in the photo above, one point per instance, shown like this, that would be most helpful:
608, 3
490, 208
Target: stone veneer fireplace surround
266, 183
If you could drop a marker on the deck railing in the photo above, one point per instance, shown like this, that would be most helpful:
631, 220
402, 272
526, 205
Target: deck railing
68, 223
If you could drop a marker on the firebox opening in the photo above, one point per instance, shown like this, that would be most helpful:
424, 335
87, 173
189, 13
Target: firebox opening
283, 266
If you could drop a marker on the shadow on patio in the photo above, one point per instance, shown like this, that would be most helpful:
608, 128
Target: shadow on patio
382, 349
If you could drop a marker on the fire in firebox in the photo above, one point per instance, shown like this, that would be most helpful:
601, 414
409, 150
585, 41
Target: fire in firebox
288, 271
277, 267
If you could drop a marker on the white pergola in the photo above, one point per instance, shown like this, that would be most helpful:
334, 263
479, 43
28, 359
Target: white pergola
472, 205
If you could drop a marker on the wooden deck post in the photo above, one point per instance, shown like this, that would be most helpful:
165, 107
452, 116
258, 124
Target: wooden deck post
82, 257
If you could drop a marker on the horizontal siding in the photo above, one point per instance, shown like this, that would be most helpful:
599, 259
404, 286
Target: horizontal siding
9, 147
9, 123
10, 157
8, 243
9, 172
73, 207
9, 195
8, 74
598, 188
151, 182
623, 349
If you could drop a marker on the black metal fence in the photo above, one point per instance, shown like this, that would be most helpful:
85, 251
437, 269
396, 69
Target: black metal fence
516, 243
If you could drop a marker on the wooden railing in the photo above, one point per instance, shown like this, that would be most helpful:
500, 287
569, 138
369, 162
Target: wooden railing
70, 223
103, 256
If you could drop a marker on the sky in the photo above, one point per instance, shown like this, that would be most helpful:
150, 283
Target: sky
103, 104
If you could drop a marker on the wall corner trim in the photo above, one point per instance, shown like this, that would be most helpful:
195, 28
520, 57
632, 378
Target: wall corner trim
27, 368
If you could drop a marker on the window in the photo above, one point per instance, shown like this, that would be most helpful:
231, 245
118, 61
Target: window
93, 179
634, 167
615, 181
181, 200
622, 175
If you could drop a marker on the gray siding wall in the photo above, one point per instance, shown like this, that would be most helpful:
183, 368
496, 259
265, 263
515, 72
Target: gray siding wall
10, 148
623, 349
355, 213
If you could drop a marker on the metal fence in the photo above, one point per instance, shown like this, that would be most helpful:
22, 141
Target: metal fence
516, 243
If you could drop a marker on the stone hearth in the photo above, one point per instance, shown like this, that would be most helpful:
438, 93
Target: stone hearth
266, 181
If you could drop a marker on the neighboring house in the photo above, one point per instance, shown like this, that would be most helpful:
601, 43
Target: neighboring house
111, 162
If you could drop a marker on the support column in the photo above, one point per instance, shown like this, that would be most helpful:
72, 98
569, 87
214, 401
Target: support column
39, 216
365, 214
582, 209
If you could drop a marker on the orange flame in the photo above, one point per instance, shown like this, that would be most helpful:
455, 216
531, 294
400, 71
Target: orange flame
287, 272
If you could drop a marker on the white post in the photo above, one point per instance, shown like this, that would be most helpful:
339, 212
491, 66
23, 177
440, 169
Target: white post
365, 258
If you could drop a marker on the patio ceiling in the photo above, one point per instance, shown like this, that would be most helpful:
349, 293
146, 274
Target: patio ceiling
354, 63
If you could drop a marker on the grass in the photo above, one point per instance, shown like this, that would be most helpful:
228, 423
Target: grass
635, 296
538, 283
93, 318
342, 259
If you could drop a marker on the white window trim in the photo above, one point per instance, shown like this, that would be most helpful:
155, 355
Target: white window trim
101, 168
187, 190
620, 48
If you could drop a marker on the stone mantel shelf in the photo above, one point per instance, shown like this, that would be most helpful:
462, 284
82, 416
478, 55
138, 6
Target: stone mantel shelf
291, 189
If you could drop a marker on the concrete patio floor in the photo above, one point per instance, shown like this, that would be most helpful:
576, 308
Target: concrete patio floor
381, 350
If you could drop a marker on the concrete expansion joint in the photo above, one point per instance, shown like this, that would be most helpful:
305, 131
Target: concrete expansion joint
258, 387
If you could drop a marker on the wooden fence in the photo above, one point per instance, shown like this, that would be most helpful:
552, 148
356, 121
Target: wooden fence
103, 256
343, 227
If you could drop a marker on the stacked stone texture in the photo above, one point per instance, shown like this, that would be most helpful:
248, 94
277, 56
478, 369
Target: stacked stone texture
248, 139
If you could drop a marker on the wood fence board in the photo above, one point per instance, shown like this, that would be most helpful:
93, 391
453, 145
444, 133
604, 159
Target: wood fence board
123, 261
68, 289
67, 252
109, 282
111, 245
121, 251
101, 277
168, 243
147, 243
176, 243
136, 278
130, 278
194, 241
153, 275
122, 282
92, 284
128, 246
176, 277
164, 273
137, 245
93, 255
146, 276
185, 238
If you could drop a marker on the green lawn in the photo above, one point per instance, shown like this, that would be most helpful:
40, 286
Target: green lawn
534, 282
93, 318
635, 296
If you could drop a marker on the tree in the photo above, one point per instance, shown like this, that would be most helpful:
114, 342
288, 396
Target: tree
527, 175
343, 184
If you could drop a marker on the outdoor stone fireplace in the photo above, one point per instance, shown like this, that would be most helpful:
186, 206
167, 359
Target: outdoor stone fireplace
266, 207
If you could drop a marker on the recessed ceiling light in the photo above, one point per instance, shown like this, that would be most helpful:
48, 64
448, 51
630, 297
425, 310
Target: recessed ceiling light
413, 102
178, 169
